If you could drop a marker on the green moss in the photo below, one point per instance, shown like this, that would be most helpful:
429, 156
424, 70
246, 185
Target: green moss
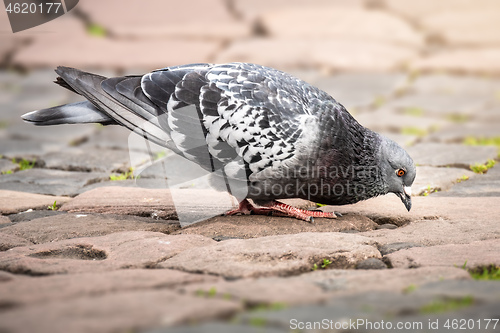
414, 111
411, 288
446, 305
457, 118
326, 263
497, 95
258, 322
96, 30
122, 176
379, 101
160, 155
482, 141
212, 292
429, 190
414, 131
53, 207
24, 164
275, 306
462, 179
483, 168
491, 272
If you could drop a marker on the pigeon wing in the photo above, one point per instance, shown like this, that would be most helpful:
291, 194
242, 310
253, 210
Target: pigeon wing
234, 116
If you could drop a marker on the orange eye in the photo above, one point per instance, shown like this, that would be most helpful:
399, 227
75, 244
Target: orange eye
400, 172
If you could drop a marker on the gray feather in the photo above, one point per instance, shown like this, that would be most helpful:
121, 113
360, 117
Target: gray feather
75, 113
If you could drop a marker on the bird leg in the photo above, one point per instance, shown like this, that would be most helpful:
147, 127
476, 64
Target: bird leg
276, 208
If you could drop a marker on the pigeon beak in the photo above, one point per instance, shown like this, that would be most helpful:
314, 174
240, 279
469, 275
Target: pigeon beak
405, 196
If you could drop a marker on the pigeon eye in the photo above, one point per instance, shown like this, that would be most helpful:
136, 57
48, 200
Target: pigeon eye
400, 172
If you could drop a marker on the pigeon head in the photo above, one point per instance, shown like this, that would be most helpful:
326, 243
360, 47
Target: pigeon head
398, 170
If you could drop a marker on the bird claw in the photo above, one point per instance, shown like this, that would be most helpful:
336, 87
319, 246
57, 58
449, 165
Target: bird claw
275, 208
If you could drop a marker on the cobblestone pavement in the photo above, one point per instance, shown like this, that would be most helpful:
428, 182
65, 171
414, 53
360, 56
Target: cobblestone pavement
112, 257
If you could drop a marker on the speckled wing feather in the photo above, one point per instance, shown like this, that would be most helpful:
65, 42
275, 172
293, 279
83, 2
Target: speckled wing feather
217, 113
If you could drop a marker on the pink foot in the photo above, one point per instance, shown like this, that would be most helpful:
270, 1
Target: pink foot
276, 208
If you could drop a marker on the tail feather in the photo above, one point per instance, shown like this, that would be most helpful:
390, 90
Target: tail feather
113, 104
109, 101
75, 113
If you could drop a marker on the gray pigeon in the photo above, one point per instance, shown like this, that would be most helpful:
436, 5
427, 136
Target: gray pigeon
280, 136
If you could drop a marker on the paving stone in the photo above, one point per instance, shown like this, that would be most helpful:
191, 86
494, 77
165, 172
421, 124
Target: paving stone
255, 10
458, 60
10, 241
309, 75
68, 226
404, 140
252, 226
4, 277
457, 155
432, 220
108, 137
42, 289
368, 306
75, 159
187, 21
371, 263
358, 90
12, 202
373, 310
414, 322
56, 135
437, 179
52, 182
356, 56
175, 168
458, 133
490, 114
32, 215
274, 255
7, 165
4, 220
452, 85
388, 121
342, 282
14, 148
120, 312
260, 292
8, 44
324, 22
390, 248
475, 254
128, 249
421, 9
47, 51
487, 185
188, 205
218, 328
436, 321
480, 290
118, 137
34, 90
388, 226
441, 105
473, 26
126, 183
